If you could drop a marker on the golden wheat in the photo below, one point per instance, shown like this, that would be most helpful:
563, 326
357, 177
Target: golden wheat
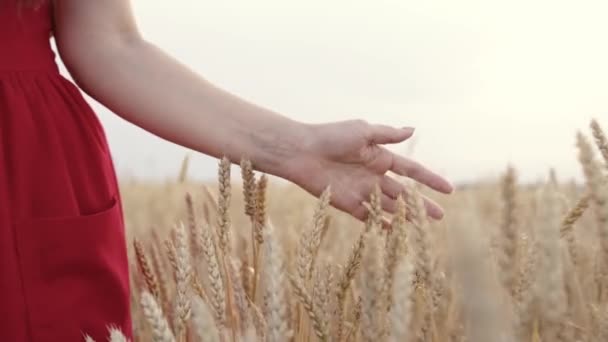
508, 263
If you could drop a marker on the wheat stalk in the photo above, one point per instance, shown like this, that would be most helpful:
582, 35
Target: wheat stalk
218, 293
260, 208
146, 269
277, 319
344, 283
223, 206
310, 239
419, 237
183, 172
507, 257
549, 288
88, 338
400, 313
598, 188
249, 187
156, 319
183, 274
204, 323
314, 314
373, 298
600, 140
396, 245
116, 335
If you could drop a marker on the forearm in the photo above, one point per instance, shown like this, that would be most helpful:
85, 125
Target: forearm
147, 87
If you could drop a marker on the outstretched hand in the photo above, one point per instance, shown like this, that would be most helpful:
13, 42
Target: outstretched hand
350, 157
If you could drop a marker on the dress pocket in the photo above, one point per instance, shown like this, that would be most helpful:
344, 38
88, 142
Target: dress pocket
75, 275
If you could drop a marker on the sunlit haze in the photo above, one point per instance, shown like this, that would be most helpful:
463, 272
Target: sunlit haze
486, 83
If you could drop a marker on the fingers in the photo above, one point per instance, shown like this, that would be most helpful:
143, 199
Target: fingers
361, 212
393, 189
382, 134
388, 204
409, 168
433, 209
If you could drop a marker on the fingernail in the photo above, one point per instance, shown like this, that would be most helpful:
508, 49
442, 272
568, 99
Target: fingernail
408, 129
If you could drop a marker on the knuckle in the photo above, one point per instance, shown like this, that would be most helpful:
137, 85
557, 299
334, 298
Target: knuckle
362, 126
370, 154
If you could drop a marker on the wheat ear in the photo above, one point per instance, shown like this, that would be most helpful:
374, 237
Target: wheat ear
156, 319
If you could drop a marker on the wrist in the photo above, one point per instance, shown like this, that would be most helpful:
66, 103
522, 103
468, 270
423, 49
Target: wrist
282, 147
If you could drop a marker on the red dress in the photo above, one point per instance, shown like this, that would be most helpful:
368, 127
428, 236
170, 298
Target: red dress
63, 260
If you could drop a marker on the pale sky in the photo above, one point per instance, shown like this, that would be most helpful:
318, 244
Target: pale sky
486, 83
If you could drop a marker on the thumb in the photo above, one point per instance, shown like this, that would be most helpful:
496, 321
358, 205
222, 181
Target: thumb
382, 134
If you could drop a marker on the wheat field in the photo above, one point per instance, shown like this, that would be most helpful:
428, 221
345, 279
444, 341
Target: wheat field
262, 261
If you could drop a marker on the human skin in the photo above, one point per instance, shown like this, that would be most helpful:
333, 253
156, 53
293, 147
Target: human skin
112, 62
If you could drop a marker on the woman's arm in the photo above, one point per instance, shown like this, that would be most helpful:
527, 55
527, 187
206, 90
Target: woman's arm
108, 58
105, 53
